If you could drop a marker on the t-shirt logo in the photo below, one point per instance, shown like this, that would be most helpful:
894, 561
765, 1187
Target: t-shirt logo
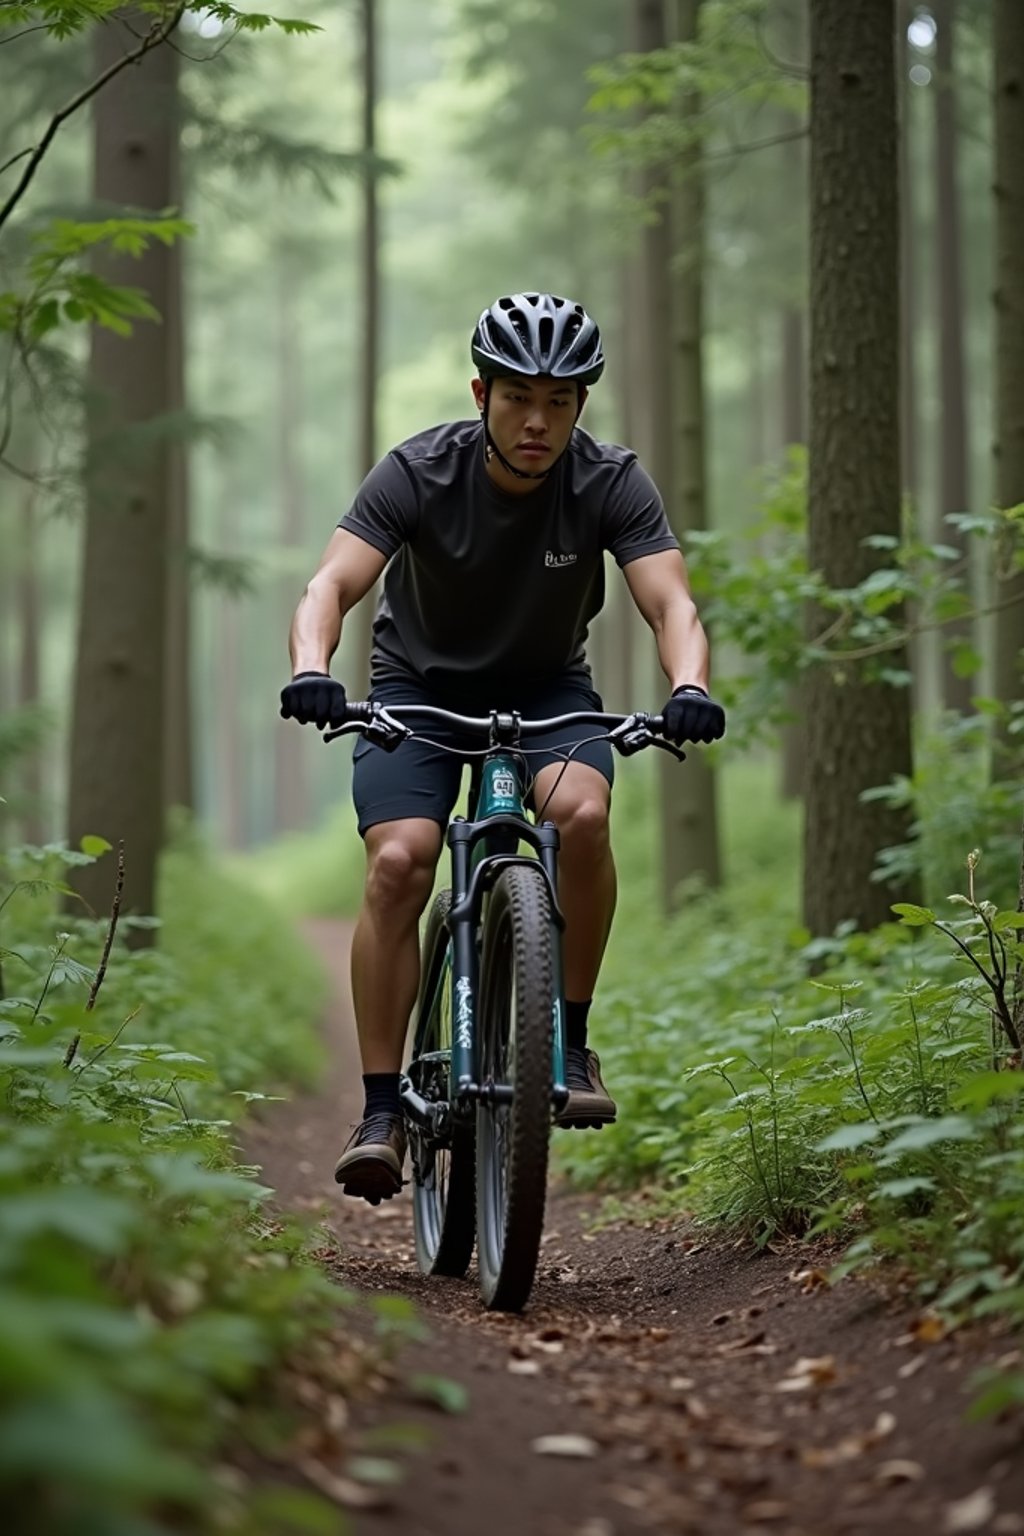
557, 560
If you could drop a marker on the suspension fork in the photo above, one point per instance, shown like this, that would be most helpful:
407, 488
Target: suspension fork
548, 851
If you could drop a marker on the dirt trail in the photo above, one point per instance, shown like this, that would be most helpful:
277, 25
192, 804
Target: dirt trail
674, 1356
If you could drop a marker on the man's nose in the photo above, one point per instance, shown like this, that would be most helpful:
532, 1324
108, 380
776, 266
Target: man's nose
537, 421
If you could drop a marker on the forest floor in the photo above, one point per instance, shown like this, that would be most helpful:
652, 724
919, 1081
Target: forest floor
705, 1387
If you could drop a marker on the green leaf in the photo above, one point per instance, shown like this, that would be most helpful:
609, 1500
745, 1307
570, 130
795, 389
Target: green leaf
94, 846
896, 1189
928, 1133
378, 1471
440, 1390
913, 916
847, 1137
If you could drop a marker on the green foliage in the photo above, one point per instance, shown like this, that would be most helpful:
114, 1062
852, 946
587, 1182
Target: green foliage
855, 1084
729, 67
148, 1300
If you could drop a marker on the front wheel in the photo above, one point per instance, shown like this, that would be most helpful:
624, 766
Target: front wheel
516, 1017
442, 1165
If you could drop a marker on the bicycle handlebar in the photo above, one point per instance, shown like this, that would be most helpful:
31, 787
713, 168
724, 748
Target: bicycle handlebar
383, 723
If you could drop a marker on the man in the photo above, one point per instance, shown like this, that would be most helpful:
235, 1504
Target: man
493, 533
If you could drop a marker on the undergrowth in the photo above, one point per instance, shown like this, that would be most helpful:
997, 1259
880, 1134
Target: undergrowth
153, 1312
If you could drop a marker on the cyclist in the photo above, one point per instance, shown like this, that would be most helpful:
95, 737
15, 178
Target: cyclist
493, 533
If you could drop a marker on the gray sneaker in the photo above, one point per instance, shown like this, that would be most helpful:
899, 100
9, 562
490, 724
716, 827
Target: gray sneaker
370, 1167
590, 1105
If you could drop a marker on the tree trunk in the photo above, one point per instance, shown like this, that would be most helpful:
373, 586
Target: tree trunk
953, 428
1008, 41
29, 610
179, 786
291, 795
116, 787
689, 811
908, 251
858, 732
232, 758
793, 422
362, 618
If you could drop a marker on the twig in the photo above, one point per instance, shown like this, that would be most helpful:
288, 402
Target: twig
894, 644
158, 33
101, 969
746, 149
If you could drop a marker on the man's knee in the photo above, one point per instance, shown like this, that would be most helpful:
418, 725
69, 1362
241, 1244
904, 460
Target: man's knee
583, 825
401, 859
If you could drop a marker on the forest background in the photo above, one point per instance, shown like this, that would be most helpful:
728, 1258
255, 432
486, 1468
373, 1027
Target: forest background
804, 349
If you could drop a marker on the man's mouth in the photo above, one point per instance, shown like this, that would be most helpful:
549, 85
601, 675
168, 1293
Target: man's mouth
534, 448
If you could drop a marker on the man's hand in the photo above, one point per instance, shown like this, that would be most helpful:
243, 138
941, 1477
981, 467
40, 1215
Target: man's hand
313, 698
690, 715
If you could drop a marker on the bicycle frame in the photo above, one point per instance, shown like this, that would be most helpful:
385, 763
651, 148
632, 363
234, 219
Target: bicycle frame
480, 849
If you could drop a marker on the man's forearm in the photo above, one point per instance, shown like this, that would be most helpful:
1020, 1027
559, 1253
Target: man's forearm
682, 645
316, 627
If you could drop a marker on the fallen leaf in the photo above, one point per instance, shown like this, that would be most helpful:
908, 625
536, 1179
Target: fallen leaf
523, 1367
730, 1436
682, 1384
810, 1371
659, 1335
564, 1445
764, 1510
810, 1280
900, 1472
912, 1366
343, 1490
972, 1513
737, 1346
929, 1328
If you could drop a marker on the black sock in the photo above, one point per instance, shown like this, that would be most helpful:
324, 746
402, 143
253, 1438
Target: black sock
576, 1025
381, 1089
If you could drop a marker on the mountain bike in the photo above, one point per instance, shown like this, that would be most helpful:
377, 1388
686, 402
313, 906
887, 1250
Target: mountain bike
487, 1071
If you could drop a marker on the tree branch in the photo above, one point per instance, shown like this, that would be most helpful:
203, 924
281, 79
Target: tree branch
755, 144
881, 646
157, 34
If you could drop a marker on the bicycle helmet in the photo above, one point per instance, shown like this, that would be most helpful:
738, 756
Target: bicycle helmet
531, 334
535, 333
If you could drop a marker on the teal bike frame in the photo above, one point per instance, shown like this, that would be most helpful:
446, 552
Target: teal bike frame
480, 849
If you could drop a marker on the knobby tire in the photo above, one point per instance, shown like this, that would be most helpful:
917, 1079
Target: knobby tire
443, 1206
515, 1024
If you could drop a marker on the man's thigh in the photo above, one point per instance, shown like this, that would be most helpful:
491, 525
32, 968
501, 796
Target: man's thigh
415, 780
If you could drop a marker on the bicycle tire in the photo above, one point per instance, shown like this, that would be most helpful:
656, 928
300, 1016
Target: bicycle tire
443, 1176
515, 1021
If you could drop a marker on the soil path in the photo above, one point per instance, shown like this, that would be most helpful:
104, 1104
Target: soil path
674, 1360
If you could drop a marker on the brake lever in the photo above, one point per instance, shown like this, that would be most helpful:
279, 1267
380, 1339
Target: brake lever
668, 746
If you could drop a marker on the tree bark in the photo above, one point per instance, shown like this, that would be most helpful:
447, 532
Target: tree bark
291, 795
232, 758
361, 620
29, 609
116, 787
1008, 49
689, 802
858, 731
908, 264
954, 437
179, 776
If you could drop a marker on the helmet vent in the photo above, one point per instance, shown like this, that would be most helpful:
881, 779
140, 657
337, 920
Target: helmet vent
505, 303
545, 332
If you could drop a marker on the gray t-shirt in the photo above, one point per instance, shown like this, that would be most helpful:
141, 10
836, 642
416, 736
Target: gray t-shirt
487, 587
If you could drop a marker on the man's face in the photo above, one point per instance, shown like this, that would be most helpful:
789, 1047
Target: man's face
531, 419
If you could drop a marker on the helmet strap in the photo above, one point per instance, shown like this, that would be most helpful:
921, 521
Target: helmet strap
520, 474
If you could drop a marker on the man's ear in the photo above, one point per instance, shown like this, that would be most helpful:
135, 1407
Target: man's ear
479, 389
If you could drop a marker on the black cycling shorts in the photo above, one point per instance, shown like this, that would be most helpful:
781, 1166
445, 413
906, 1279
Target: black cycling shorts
418, 779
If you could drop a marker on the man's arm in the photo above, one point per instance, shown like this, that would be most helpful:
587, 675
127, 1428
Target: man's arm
349, 568
661, 590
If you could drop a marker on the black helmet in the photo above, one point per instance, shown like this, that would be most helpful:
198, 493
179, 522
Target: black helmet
533, 333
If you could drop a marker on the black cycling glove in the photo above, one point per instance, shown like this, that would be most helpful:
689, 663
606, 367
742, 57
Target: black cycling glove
690, 715
314, 698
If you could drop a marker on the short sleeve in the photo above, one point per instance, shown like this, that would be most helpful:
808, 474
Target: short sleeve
634, 521
384, 511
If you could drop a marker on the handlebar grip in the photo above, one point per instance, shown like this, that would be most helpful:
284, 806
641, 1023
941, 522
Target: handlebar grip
358, 710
